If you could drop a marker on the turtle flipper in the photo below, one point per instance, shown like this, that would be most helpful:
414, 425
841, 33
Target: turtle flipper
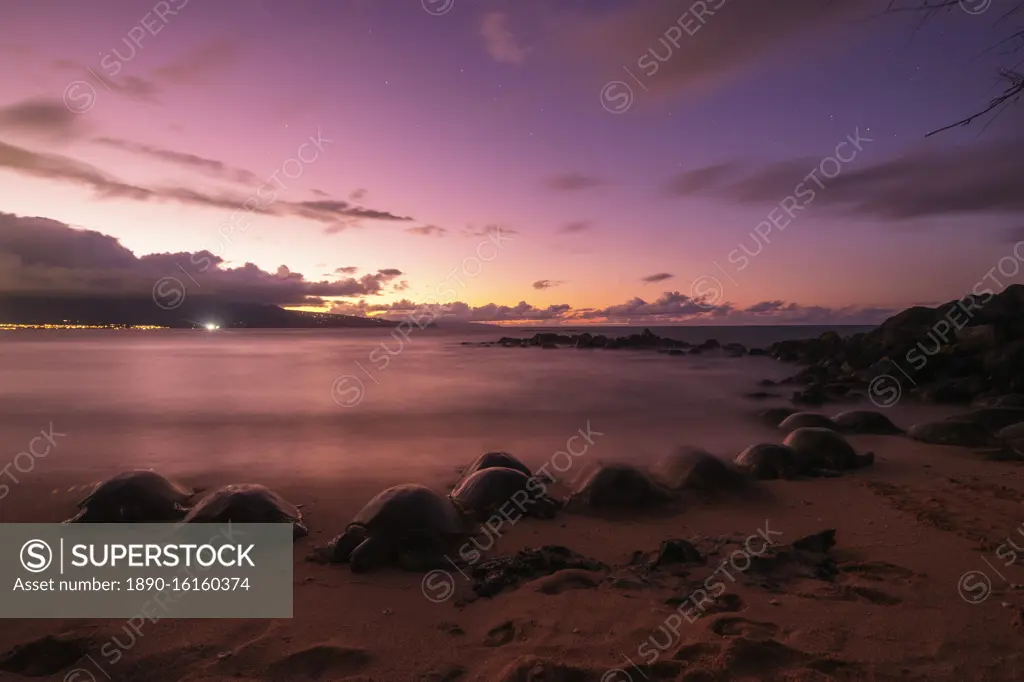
342, 546
867, 459
80, 517
374, 552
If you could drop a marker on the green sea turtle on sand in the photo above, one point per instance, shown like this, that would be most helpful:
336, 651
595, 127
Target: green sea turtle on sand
247, 503
409, 524
799, 420
824, 449
140, 496
770, 461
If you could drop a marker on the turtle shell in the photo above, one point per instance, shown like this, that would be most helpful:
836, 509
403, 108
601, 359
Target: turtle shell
495, 459
693, 468
865, 421
141, 495
621, 485
408, 510
823, 448
489, 489
134, 485
246, 503
801, 420
767, 461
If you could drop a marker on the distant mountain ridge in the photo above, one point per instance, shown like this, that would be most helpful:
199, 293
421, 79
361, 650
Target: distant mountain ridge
195, 311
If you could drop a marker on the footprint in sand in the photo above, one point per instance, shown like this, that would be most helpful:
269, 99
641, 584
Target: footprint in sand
502, 634
44, 657
444, 673
880, 571
734, 626
319, 661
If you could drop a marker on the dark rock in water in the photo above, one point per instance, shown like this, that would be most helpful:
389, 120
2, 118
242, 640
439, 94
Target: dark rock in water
710, 344
44, 657
494, 575
766, 382
735, 350
585, 340
600, 341
820, 542
676, 351
812, 395
677, 552
696, 350
760, 395
950, 432
757, 351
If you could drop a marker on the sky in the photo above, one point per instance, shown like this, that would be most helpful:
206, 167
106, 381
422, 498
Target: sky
605, 161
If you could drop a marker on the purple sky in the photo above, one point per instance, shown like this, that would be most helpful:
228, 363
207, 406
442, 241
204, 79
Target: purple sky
621, 188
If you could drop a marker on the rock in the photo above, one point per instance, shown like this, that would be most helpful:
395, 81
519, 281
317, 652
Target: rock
677, 552
820, 542
760, 395
494, 575
757, 351
1008, 400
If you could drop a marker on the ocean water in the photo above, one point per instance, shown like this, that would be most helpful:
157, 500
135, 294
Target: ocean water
362, 402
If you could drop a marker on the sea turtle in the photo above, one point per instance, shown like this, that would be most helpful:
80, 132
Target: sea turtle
499, 488
140, 496
799, 420
953, 432
991, 418
692, 468
620, 486
865, 422
493, 459
247, 503
822, 448
408, 523
769, 461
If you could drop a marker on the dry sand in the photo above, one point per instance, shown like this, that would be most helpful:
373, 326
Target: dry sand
907, 530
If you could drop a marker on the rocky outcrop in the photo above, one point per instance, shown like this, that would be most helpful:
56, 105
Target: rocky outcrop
963, 351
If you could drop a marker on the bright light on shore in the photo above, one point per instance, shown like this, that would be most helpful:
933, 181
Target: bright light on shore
210, 326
